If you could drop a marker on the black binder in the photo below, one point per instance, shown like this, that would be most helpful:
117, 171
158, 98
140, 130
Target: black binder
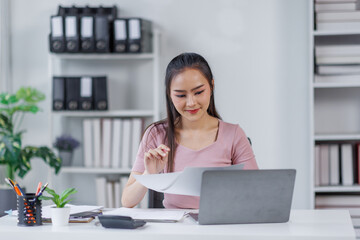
72, 31
56, 37
120, 35
100, 93
140, 35
103, 28
87, 38
58, 93
86, 98
102, 34
72, 93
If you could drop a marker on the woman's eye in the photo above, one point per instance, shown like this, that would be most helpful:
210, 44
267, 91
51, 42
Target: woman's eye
197, 93
180, 96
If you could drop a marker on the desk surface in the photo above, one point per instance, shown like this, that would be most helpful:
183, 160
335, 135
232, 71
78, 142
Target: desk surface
303, 224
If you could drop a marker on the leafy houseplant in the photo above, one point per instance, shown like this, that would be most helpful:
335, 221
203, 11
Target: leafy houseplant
59, 200
12, 154
59, 214
66, 144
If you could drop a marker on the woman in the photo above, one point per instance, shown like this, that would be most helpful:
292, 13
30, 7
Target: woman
192, 135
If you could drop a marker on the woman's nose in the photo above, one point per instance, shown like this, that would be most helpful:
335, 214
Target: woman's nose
190, 101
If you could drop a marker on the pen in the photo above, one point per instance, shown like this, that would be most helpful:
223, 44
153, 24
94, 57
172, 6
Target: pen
42, 190
7, 180
15, 188
19, 188
18, 192
38, 188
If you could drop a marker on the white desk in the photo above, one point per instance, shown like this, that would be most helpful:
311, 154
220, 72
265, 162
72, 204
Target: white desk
303, 224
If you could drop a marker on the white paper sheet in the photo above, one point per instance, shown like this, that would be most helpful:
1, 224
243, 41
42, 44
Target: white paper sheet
187, 182
154, 215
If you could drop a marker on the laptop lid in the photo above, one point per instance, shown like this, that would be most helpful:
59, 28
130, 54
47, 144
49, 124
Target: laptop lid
251, 196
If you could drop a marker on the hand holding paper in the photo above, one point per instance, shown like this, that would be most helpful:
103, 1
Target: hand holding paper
187, 182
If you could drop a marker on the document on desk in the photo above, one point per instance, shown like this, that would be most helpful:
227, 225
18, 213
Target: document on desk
150, 215
187, 182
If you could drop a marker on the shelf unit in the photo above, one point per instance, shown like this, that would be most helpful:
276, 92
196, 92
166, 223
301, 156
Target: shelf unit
112, 65
333, 109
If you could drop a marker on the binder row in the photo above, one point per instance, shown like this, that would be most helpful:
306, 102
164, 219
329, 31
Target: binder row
337, 164
80, 93
109, 191
111, 143
98, 30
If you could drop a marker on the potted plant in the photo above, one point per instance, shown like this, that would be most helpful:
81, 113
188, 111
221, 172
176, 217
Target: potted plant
66, 145
60, 213
13, 154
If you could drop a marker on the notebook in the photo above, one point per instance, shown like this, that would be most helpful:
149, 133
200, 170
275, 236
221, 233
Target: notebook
251, 196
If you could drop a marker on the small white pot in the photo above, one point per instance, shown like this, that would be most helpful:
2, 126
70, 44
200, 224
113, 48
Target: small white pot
60, 216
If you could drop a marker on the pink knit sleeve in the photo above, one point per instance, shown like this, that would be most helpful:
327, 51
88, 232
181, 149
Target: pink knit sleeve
150, 140
242, 152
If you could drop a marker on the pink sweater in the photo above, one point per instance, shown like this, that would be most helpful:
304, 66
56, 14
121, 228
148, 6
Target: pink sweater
231, 147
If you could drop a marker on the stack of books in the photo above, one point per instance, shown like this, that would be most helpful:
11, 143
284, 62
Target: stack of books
337, 15
337, 164
111, 143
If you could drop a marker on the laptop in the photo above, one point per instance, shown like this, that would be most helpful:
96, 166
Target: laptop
251, 196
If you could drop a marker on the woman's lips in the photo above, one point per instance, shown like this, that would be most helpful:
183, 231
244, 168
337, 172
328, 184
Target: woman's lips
193, 111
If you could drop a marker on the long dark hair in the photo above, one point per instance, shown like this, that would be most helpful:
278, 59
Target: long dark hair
176, 66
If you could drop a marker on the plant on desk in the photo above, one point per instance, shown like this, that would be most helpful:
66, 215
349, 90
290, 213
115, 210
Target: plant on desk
61, 213
66, 145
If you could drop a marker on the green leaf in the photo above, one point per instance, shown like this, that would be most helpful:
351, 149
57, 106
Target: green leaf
45, 198
51, 192
67, 193
64, 203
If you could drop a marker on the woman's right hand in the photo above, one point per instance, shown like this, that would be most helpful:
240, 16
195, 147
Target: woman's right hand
155, 159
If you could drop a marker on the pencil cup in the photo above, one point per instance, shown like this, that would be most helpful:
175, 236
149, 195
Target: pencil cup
29, 210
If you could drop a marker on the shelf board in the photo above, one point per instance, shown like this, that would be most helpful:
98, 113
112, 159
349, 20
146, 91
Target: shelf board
354, 188
102, 56
335, 33
336, 85
331, 137
95, 170
117, 113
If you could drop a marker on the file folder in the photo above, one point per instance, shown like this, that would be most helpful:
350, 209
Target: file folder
140, 35
72, 93
56, 37
100, 93
102, 40
86, 100
87, 40
72, 31
103, 28
120, 35
58, 93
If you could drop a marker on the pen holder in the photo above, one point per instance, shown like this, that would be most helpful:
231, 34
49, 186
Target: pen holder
29, 210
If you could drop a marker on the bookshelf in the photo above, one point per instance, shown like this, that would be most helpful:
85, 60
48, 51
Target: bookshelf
133, 92
334, 86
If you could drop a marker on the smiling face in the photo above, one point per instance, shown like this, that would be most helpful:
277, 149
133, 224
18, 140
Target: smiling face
190, 93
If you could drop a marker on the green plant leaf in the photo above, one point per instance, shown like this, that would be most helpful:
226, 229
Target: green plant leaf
51, 192
67, 193
64, 203
45, 198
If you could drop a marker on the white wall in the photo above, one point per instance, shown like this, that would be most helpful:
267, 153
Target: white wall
257, 50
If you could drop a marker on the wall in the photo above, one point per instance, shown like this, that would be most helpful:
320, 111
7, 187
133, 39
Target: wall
256, 48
